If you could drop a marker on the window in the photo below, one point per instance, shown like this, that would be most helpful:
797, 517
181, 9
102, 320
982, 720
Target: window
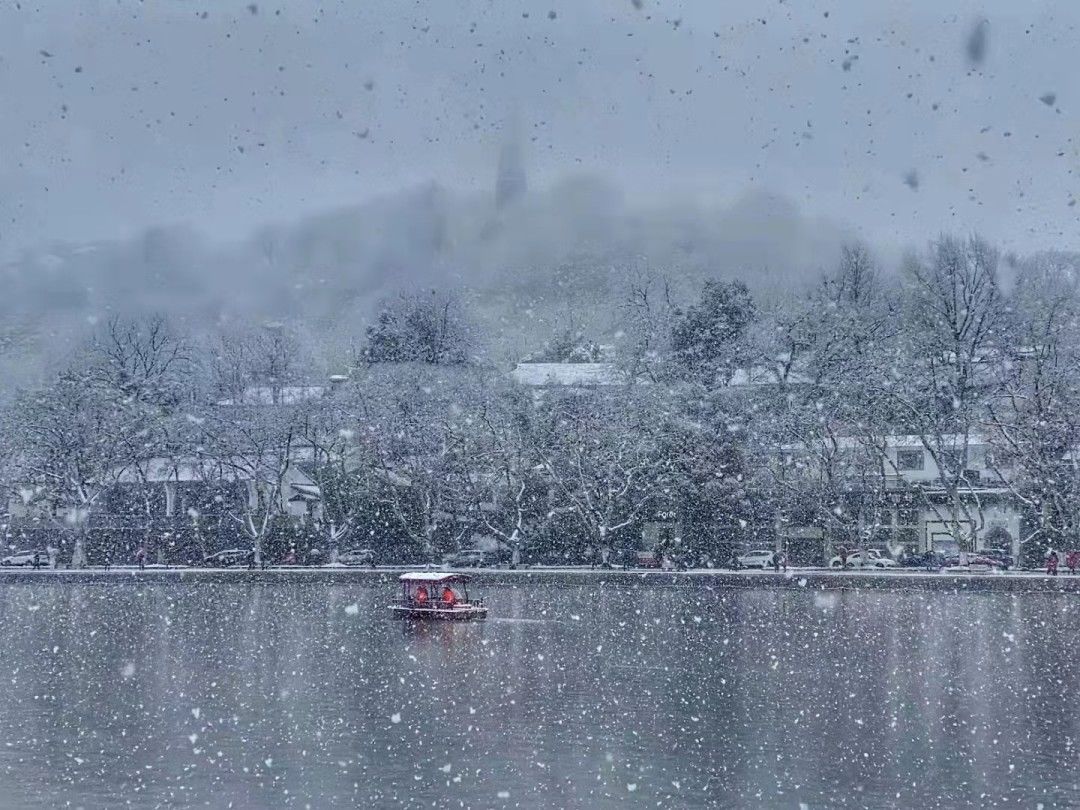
907, 517
951, 462
908, 537
907, 460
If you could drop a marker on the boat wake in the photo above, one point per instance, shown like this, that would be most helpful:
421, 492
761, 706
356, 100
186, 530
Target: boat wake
512, 620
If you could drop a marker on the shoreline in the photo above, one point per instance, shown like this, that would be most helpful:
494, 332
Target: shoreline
794, 579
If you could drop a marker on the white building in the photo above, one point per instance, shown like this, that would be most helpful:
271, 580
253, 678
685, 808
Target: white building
944, 494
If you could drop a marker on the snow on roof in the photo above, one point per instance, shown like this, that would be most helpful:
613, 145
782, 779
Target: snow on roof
172, 469
191, 469
306, 492
271, 395
570, 374
902, 442
432, 576
391, 477
766, 375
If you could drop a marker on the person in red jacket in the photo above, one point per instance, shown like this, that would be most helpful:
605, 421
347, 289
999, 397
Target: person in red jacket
1052, 563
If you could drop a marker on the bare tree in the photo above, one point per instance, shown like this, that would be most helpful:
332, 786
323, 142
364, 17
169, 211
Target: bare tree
952, 318
508, 487
328, 431
604, 459
69, 451
253, 449
406, 415
257, 365
823, 420
645, 319
145, 368
142, 360
1034, 414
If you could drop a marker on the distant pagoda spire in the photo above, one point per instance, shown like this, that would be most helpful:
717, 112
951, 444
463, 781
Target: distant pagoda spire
510, 184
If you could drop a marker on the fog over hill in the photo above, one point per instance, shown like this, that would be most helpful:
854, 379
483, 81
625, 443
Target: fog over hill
564, 252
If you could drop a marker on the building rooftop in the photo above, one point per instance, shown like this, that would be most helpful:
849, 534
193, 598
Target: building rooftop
567, 374
433, 576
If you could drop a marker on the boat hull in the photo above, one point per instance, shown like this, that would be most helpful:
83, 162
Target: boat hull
455, 614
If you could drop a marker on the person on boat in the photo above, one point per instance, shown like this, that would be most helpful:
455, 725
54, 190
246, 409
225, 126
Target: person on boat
448, 596
421, 595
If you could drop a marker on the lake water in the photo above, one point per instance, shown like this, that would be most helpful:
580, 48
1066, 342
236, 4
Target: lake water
262, 696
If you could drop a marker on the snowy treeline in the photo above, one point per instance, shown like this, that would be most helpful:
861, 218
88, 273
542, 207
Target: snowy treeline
728, 417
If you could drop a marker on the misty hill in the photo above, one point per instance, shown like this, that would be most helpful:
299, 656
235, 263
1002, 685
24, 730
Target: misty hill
562, 251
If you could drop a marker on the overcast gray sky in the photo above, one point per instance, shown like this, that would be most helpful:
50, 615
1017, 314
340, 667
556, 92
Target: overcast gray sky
224, 114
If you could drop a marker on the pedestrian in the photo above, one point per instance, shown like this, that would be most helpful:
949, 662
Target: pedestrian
1052, 563
776, 562
140, 557
783, 561
1072, 560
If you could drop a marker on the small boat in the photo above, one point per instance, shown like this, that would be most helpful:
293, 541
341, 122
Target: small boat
437, 595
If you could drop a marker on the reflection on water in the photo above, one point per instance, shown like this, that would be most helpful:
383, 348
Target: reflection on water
295, 696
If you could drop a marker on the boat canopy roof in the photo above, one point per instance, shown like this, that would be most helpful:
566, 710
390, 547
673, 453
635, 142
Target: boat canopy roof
433, 576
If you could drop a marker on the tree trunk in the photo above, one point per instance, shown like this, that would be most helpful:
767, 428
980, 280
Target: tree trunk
515, 548
961, 544
429, 543
78, 553
334, 538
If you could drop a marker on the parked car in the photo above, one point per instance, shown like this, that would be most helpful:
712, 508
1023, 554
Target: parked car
229, 557
646, 559
470, 558
974, 559
1001, 555
924, 559
870, 558
26, 558
357, 556
759, 558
